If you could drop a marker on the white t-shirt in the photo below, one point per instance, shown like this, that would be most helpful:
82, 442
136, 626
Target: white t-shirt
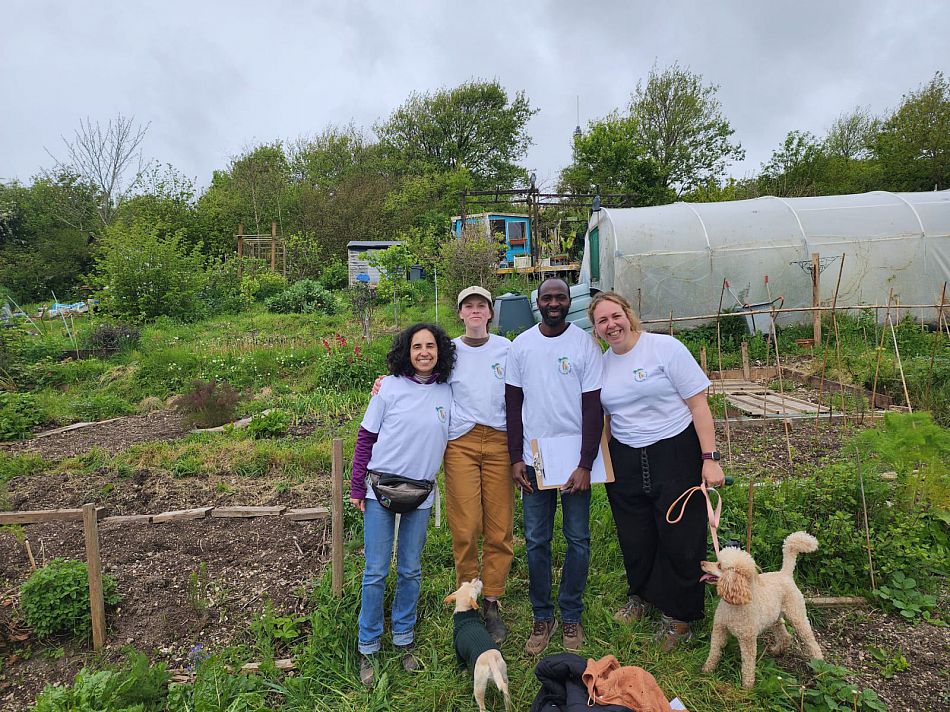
553, 371
412, 420
645, 389
478, 385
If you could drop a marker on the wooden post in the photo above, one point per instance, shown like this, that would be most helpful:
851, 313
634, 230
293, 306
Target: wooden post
97, 606
702, 360
746, 368
240, 246
748, 526
816, 297
273, 247
336, 521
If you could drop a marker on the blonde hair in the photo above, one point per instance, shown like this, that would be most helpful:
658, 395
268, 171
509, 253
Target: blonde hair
617, 299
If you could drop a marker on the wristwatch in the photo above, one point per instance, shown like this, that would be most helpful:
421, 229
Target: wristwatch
714, 455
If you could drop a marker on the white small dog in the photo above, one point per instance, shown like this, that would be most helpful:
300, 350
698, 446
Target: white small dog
753, 602
474, 646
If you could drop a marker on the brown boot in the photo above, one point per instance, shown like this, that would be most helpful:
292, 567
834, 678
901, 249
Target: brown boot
367, 670
573, 636
410, 663
540, 636
673, 633
634, 610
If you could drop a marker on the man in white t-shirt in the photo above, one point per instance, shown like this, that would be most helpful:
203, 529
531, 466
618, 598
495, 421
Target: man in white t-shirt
552, 389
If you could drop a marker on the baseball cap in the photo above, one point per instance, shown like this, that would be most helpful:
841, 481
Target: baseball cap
470, 291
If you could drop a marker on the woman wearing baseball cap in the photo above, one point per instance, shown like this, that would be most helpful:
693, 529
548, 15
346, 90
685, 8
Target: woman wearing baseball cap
479, 498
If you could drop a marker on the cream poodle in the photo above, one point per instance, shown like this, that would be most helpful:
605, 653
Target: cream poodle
753, 602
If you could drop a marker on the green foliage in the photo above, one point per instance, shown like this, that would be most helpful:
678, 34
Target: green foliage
270, 425
216, 689
832, 692
393, 263
304, 297
467, 260
262, 286
474, 125
345, 365
144, 276
209, 404
334, 275
134, 687
890, 662
273, 634
221, 293
55, 599
18, 415
100, 405
682, 129
611, 158
901, 595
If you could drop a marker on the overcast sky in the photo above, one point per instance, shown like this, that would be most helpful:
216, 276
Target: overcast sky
215, 77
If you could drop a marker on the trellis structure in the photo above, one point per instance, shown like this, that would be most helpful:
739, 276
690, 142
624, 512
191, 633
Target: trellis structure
269, 248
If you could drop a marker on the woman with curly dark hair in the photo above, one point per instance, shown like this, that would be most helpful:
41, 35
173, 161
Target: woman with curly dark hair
398, 452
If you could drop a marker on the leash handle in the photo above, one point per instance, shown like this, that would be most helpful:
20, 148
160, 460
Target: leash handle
712, 514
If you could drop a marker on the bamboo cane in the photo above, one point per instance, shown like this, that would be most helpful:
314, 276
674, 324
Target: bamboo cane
722, 387
900, 365
880, 352
867, 528
938, 337
834, 324
781, 389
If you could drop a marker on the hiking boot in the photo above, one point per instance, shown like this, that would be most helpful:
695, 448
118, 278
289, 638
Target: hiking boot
540, 636
491, 612
367, 670
573, 636
635, 609
673, 633
410, 663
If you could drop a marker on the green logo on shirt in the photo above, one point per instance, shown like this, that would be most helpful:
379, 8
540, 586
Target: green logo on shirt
564, 365
440, 411
639, 374
498, 370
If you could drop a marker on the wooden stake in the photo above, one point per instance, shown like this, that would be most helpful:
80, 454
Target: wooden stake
816, 296
722, 387
900, 365
29, 553
336, 518
240, 248
746, 369
781, 389
867, 528
671, 322
748, 527
702, 360
97, 606
273, 247
880, 352
938, 337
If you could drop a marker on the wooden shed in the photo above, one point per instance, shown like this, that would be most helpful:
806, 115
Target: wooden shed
358, 253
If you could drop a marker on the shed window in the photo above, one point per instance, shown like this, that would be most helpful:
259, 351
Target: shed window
516, 233
497, 227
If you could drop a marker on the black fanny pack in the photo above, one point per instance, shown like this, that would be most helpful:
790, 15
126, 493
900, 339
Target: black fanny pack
398, 494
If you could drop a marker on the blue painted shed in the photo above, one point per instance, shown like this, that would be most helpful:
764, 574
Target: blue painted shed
515, 228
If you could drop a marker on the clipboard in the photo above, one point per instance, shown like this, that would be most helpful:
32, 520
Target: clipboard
562, 453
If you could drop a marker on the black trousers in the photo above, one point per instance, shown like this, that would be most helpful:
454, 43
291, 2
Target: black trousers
661, 560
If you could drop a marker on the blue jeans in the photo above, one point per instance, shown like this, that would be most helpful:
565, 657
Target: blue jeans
539, 508
379, 525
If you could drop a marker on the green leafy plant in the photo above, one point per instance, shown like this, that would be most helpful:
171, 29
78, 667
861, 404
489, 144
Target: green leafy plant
113, 337
901, 594
199, 588
345, 365
273, 424
304, 297
136, 686
55, 599
889, 661
209, 403
99, 406
334, 275
274, 633
832, 692
19, 413
262, 286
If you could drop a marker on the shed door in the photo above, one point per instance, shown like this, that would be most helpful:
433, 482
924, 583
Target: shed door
594, 247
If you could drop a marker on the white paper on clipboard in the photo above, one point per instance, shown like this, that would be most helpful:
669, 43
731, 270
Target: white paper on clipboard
556, 458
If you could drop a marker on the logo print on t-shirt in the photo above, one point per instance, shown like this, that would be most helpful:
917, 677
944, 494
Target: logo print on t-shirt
564, 365
440, 411
639, 374
498, 370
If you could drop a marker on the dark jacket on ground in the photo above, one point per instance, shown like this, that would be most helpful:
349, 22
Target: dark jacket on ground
562, 689
471, 638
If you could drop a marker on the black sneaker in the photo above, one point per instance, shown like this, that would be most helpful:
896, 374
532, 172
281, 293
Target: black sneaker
491, 612
410, 663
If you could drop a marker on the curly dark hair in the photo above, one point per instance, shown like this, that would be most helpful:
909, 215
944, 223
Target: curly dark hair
399, 364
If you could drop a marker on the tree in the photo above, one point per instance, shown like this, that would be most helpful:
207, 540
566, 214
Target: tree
681, 126
324, 161
260, 177
105, 158
913, 145
851, 134
474, 126
795, 169
166, 202
610, 158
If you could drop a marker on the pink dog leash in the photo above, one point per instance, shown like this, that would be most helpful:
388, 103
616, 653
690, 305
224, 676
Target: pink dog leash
713, 515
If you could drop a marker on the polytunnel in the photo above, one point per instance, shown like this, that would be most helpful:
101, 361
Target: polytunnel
675, 257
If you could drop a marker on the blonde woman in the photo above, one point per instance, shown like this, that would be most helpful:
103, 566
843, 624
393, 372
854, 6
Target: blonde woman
662, 441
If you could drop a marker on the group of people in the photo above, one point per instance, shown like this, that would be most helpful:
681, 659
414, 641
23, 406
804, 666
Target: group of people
475, 404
